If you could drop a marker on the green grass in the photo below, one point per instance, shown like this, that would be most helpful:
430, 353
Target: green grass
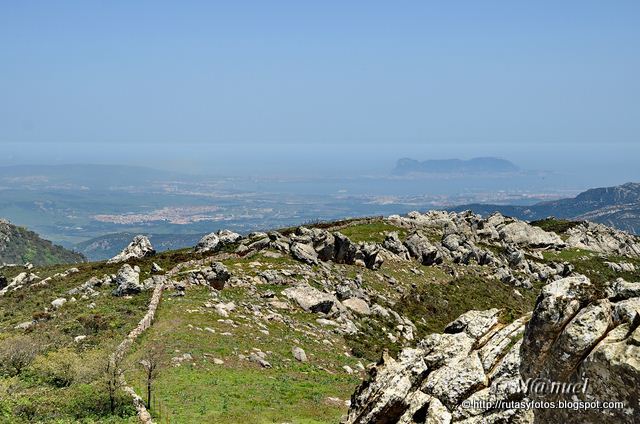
433, 306
558, 226
28, 397
374, 232
239, 390
593, 265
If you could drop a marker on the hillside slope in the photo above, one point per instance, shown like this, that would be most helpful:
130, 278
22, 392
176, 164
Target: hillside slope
20, 246
278, 326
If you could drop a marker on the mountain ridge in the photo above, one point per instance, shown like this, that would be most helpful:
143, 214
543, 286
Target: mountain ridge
616, 206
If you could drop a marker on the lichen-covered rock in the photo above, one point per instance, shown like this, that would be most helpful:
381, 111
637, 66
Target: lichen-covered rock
304, 252
523, 234
215, 275
310, 299
430, 382
215, 241
394, 245
602, 239
579, 336
140, 247
127, 281
421, 248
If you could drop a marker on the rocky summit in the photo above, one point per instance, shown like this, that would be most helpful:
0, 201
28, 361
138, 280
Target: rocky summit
433, 317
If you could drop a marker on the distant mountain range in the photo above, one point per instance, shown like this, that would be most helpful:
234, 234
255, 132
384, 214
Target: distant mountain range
617, 206
20, 246
487, 165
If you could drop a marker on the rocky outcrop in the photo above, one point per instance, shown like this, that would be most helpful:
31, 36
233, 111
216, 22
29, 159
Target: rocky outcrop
603, 239
475, 359
127, 281
420, 247
581, 344
304, 252
394, 245
19, 281
213, 242
311, 299
215, 275
583, 336
316, 245
140, 247
522, 234
509, 247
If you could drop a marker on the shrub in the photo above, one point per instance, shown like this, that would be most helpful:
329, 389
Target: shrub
59, 368
93, 323
17, 353
89, 400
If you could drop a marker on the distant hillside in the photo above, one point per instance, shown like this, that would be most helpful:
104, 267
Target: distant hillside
618, 207
486, 165
20, 246
109, 245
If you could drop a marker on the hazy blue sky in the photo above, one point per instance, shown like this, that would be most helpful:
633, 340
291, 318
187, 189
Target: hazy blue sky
341, 72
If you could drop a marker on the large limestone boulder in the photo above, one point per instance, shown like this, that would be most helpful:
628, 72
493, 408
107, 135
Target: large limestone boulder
140, 247
475, 360
602, 239
127, 281
394, 245
304, 252
523, 234
421, 248
311, 299
369, 256
215, 241
581, 335
357, 305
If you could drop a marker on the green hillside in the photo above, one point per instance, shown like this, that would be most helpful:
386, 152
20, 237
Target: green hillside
20, 246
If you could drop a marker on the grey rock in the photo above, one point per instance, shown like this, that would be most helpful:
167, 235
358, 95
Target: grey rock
127, 281
603, 239
357, 305
215, 241
305, 253
140, 247
216, 275
393, 244
310, 299
421, 248
523, 234
299, 354
58, 303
